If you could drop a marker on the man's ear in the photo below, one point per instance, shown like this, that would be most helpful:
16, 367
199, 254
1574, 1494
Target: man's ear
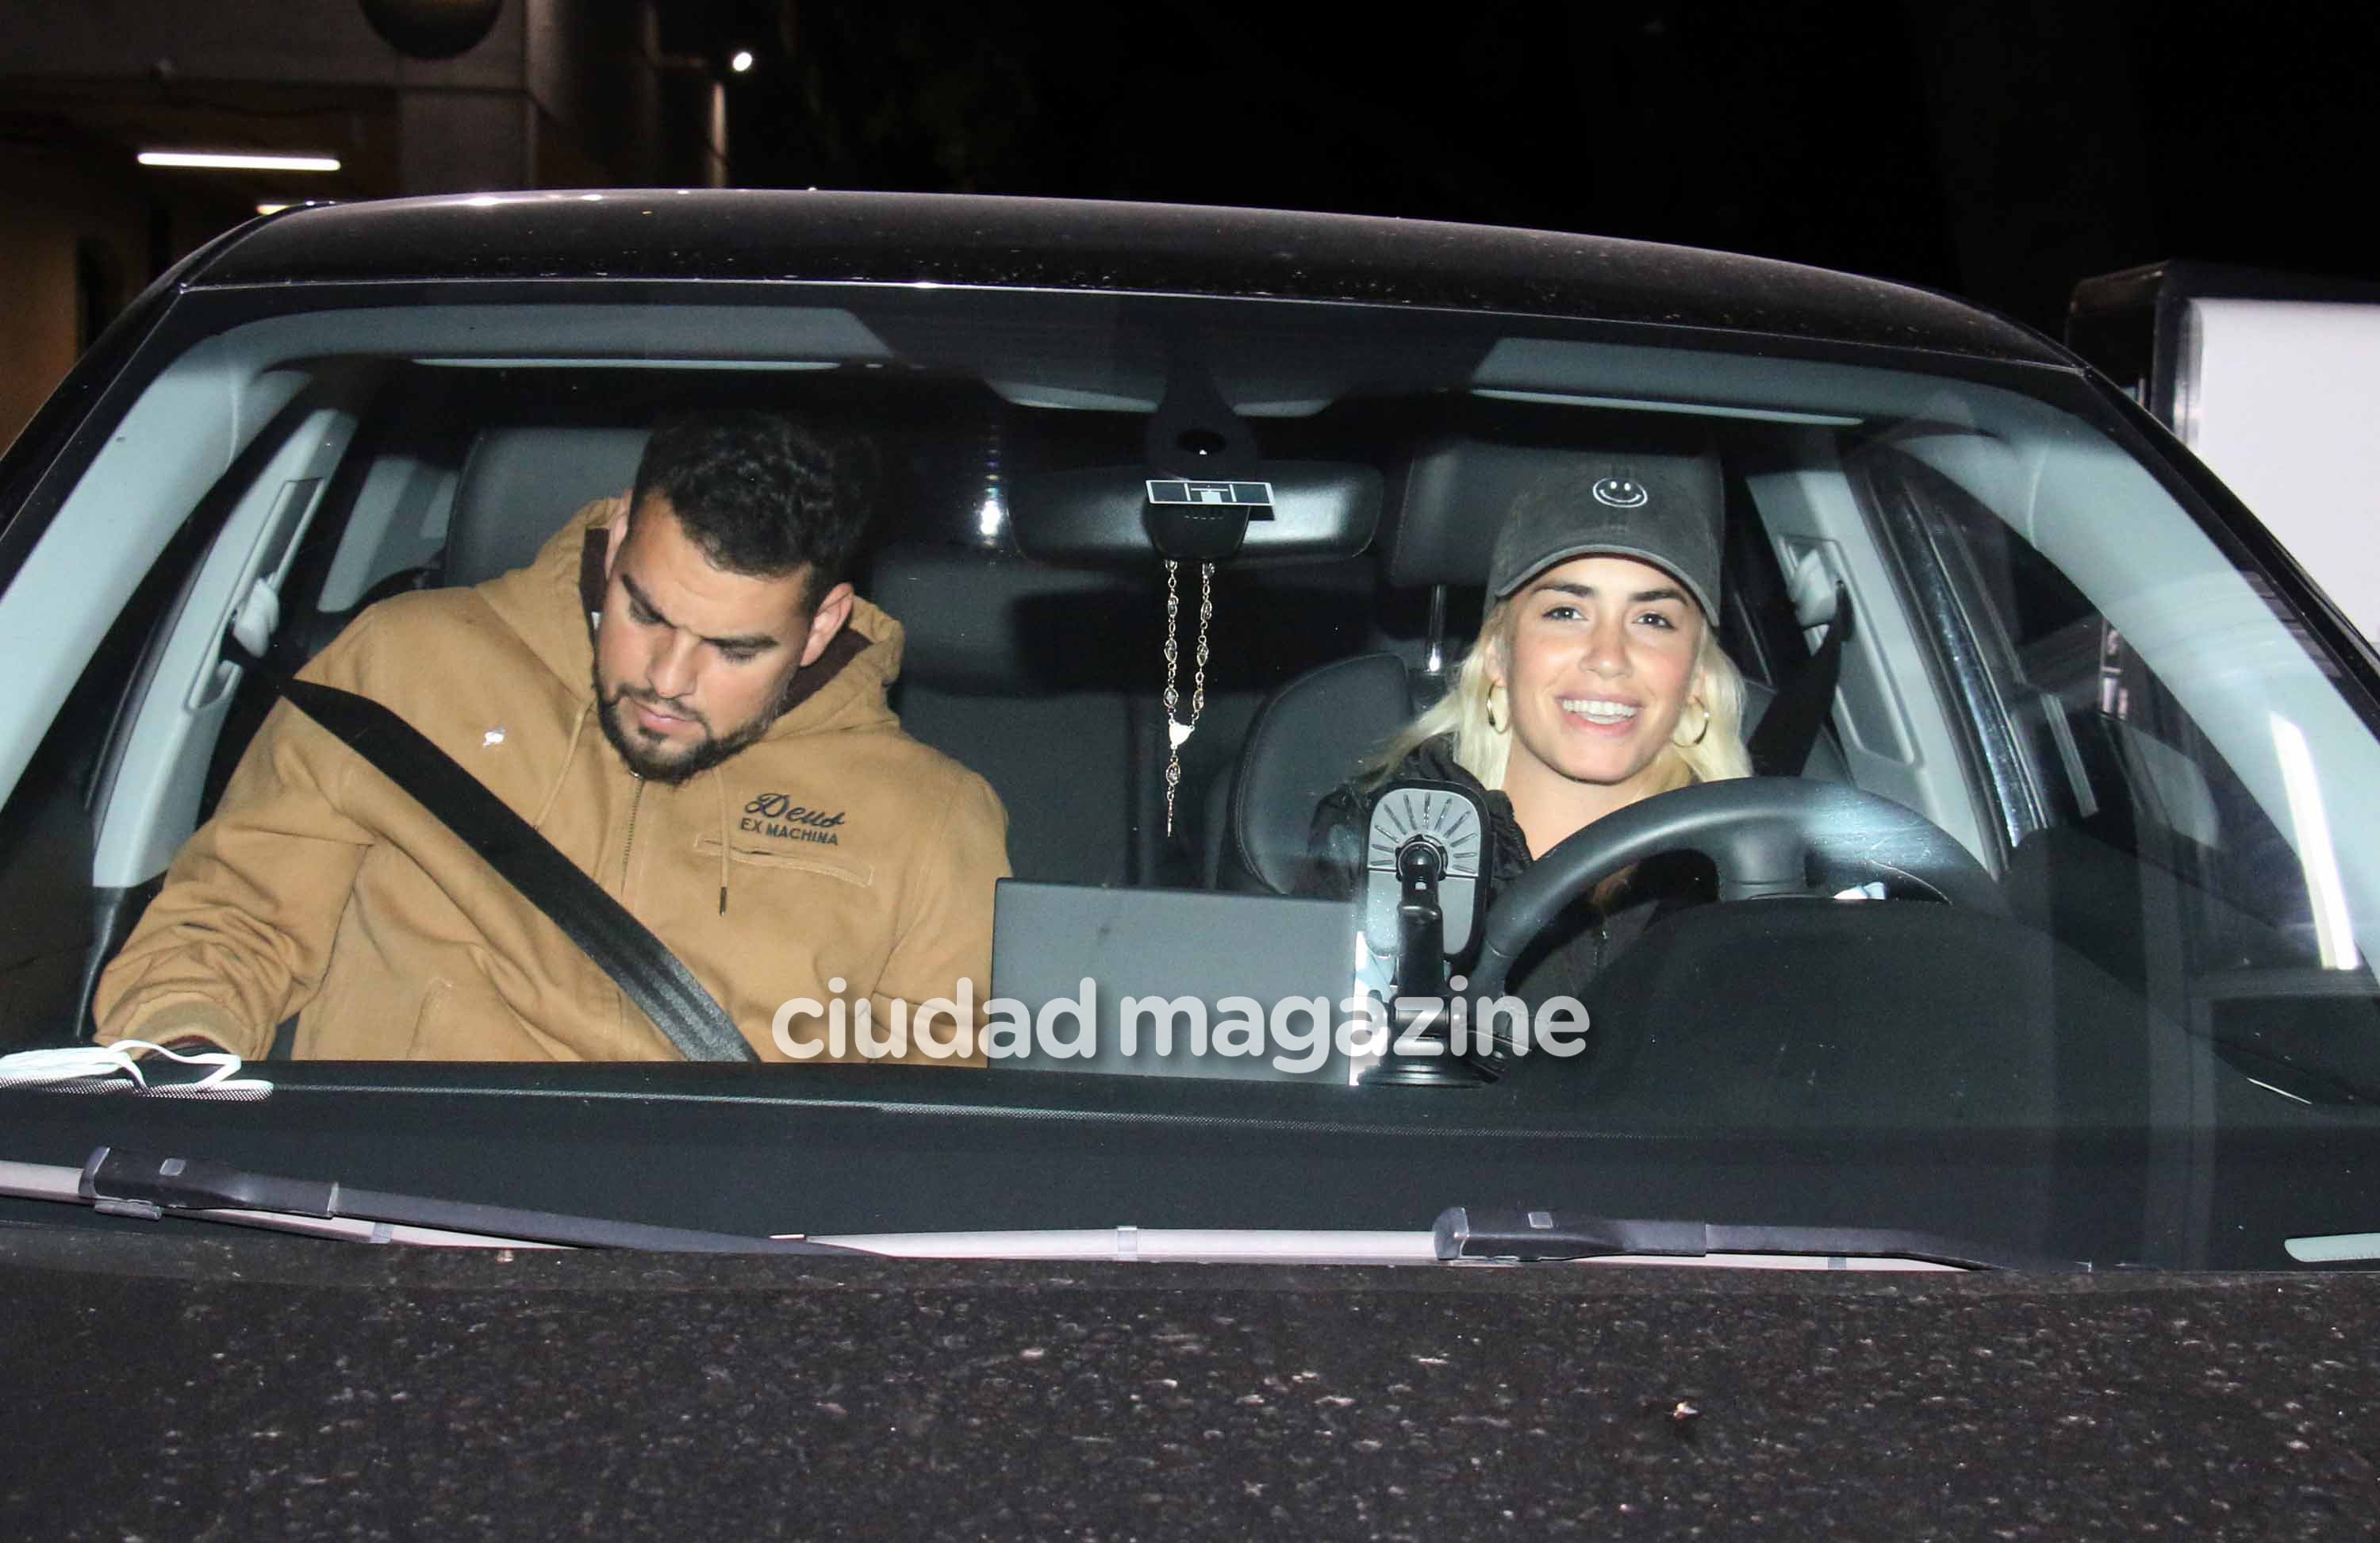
826, 621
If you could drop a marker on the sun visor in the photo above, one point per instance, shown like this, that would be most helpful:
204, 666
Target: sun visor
1294, 511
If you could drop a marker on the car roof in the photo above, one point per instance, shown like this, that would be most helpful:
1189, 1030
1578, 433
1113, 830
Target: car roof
1082, 245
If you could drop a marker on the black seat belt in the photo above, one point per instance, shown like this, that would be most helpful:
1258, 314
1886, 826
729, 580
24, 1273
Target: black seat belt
638, 963
1788, 732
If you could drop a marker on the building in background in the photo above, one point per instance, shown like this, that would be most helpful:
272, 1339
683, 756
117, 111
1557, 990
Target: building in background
407, 96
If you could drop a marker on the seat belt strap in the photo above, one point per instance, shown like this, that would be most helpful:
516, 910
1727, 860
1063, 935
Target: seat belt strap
625, 949
1788, 732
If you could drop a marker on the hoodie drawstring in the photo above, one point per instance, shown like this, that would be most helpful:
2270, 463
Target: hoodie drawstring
569, 754
719, 785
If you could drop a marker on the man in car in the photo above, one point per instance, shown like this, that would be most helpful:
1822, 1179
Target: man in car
685, 696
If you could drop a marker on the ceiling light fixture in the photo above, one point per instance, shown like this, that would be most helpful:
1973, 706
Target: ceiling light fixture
210, 161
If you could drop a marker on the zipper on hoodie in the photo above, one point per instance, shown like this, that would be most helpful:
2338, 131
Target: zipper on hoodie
628, 847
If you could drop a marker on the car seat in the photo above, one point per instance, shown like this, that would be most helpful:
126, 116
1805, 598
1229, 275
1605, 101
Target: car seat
518, 486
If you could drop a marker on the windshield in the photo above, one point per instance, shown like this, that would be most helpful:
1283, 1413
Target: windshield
1195, 707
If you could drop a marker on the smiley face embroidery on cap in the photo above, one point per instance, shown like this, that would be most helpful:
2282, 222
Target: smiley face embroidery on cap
1621, 492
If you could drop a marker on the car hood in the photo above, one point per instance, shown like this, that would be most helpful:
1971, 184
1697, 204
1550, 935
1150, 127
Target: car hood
917, 1397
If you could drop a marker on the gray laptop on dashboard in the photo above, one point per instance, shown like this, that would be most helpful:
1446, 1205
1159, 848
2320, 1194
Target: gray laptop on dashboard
1161, 946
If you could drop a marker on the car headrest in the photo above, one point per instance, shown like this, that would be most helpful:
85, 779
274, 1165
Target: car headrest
979, 623
1307, 740
519, 484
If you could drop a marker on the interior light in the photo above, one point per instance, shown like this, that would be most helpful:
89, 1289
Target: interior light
742, 62
210, 161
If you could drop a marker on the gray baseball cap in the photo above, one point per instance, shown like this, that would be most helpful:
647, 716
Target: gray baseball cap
1660, 509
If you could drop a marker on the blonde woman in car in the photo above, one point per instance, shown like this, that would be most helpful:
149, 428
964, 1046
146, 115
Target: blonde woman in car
1597, 681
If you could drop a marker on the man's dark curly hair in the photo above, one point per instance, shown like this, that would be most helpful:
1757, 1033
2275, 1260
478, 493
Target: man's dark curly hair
761, 494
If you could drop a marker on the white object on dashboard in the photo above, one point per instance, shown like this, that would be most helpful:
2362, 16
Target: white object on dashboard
114, 1068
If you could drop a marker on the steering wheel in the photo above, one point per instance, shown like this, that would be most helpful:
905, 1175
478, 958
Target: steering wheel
1767, 835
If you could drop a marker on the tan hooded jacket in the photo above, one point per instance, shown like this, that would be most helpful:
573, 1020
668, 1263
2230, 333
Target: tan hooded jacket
835, 858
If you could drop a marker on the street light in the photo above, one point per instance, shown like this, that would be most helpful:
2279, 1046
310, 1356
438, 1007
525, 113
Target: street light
741, 62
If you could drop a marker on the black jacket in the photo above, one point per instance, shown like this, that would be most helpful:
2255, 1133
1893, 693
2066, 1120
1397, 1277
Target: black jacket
1568, 953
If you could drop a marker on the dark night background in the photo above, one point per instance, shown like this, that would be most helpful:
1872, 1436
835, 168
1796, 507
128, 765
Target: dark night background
1999, 151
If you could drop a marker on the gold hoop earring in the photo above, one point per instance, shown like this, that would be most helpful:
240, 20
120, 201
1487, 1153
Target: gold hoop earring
1700, 733
1496, 720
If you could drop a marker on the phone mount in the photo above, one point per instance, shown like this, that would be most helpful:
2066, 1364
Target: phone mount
1423, 853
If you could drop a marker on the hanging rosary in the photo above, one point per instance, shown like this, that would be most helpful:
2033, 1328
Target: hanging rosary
1176, 730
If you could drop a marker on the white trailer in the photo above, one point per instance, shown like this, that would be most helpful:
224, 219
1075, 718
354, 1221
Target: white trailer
2273, 380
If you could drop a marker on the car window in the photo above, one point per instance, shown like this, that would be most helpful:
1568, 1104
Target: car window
2055, 665
2138, 834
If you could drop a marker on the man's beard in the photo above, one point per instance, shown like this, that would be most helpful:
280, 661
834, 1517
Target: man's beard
709, 751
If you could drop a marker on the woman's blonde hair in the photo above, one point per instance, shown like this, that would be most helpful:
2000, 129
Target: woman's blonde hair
1717, 754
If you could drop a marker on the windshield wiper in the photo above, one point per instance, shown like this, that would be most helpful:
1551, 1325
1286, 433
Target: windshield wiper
140, 1185
1515, 1232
